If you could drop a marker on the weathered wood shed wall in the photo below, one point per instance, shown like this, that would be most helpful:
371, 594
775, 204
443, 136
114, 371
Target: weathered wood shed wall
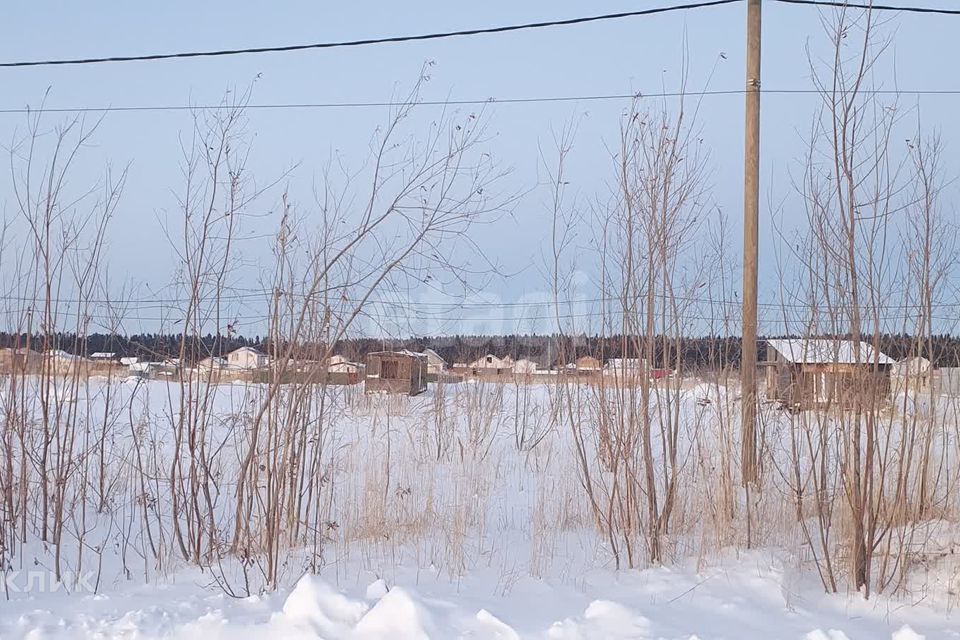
807, 374
396, 372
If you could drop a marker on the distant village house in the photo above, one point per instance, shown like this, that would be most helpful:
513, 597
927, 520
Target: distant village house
588, 364
525, 367
211, 364
342, 364
435, 363
491, 361
247, 359
400, 372
811, 373
912, 375
626, 368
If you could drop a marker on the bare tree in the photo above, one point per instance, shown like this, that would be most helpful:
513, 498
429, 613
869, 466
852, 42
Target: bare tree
401, 219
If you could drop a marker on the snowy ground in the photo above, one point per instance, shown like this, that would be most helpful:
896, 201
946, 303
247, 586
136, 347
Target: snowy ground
490, 539
740, 598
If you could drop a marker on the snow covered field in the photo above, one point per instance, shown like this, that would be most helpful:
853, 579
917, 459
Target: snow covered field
457, 514
737, 598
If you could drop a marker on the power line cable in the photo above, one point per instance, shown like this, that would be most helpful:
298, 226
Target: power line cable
770, 316
460, 102
122, 305
373, 104
873, 7
207, 323
371, 41
460, 33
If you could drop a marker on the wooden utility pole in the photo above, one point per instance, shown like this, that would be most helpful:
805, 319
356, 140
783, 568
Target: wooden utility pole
751, 215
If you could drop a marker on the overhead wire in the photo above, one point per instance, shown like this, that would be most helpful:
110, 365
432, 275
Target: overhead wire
872, 6
370, 41
491, 101
252, 294
379, 309
449, 34
458, 33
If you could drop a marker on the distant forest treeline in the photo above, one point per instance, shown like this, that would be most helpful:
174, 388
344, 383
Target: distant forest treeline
694, 353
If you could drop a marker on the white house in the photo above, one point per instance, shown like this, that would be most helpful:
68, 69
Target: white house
912, 374
129, 361
247, 359
492, 362
212, 363
525, 367
629, 366
103, 355
915, 367
435, 364
342, 364
145, 369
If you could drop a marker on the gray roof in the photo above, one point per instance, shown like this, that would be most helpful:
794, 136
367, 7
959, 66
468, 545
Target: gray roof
828, 351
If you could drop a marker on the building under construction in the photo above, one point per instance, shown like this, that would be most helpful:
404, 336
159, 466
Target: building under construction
402, 372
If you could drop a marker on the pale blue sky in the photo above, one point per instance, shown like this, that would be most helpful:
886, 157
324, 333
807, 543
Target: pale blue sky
634, 54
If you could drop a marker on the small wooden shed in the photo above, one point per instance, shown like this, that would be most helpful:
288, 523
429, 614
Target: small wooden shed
396, 372
825, 372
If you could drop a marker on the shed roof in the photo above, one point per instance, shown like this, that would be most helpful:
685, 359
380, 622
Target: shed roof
828, 351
